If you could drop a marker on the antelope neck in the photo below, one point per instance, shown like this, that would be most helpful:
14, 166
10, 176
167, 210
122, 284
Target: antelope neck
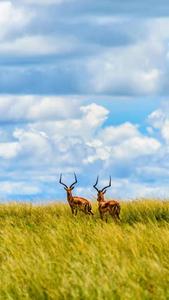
69, 197
101, 199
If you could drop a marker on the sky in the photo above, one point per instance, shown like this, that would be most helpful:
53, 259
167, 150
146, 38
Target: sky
84, 87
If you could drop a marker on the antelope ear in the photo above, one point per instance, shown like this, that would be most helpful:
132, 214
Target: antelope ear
104, 191
72, 188
65, 189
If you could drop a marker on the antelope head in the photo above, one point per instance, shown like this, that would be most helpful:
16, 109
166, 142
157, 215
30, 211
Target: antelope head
100, 193
68, 188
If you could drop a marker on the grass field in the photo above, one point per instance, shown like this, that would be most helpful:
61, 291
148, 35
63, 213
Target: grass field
46, 253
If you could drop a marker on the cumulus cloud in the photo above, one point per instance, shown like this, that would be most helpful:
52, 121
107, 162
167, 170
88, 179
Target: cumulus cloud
48, 142
114, 135
121, 143
32, 143
91, 117
34, 108
159, 120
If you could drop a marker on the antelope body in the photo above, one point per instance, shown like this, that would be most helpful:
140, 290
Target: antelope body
76, 203
112, 206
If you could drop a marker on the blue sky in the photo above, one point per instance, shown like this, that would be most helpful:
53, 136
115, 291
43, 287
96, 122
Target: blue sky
84, 87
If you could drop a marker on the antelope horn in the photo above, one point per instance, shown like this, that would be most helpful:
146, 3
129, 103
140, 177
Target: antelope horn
74, 182
107, 185
96, 184
60, 181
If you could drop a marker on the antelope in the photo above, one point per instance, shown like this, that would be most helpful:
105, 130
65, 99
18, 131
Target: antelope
76, 203
112, 206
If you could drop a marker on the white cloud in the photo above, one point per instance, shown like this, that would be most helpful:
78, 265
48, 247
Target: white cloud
50, 141
18, 188
121, 143
90, 118
12, 18
37, 45
9, 150
165, 131
157, 171
15, 41
81, 134
114, 135
95, 115
131, 69
131, 189
136, 147
46, 141
159, 120
33, 145
34, 108
138, 68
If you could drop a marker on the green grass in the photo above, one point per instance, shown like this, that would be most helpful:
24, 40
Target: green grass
46, 253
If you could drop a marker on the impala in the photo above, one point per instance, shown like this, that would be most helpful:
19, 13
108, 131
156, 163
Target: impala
112, 206
76, 203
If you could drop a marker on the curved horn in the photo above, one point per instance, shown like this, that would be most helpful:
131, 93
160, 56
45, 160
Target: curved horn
74, 182
96, 184
60, 181
107, 185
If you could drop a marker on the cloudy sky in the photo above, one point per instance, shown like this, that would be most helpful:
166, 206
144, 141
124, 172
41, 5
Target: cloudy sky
84, 87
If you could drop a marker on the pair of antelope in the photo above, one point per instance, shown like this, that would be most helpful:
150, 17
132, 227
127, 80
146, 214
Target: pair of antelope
78, 203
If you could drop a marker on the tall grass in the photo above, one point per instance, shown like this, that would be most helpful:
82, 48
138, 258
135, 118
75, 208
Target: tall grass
46, 253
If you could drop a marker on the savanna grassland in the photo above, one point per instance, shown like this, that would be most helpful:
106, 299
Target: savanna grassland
46, 253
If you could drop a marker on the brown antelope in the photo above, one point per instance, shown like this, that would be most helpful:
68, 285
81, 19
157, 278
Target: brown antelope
112, 206
76, 203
